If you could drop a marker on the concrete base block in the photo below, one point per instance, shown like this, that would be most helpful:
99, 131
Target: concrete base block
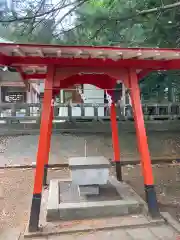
90, 176
65, 202
89, 190
89, 170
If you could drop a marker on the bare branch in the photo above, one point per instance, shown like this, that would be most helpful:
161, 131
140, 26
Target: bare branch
34, 19
130, 16
69, 12
40, 14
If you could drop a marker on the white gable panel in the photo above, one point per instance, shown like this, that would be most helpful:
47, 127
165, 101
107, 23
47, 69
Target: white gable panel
94, 95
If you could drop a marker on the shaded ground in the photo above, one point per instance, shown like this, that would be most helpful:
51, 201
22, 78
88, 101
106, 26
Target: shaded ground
167, 181
22, 149
16, 191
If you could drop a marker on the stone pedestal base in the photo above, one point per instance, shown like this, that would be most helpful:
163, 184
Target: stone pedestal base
66, 203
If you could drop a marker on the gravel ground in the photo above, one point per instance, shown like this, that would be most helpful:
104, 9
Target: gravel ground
4, 142
16, 191
16, 185
167, 181
15, 197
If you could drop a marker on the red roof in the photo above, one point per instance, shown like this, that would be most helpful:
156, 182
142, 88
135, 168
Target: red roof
34, 59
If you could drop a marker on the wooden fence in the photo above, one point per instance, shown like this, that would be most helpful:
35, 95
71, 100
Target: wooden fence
25, 118
33, 111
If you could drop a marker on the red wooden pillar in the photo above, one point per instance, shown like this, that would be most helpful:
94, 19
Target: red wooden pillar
43, 148
48, 146
115, 142
143, 145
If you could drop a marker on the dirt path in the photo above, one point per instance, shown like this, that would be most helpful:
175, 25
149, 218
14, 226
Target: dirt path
16, 191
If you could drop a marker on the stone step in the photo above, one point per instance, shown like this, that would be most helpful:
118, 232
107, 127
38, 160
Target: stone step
88, 210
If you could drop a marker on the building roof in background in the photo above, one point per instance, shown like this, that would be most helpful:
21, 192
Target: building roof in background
3, 40
19, 84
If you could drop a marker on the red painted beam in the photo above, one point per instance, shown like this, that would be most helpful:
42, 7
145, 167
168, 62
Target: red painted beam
35, 76
95, 63
140, 75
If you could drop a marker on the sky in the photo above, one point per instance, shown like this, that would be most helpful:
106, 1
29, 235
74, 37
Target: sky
9, 3
68, 21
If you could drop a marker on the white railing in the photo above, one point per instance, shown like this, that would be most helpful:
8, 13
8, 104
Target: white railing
66, 111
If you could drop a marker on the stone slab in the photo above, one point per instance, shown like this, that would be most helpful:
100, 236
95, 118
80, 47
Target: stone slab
171, 221
89, 170
64, 229
140, 234
87, 210
88, 162
53, 201
98, 176
105, 235
164, 232
89, 190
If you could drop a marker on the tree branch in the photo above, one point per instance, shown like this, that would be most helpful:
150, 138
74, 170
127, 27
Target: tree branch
97, 31
40, 14
141, 13
34, 19
130, 16
69, 12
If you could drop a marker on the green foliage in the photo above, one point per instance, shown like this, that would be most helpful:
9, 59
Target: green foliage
107, 23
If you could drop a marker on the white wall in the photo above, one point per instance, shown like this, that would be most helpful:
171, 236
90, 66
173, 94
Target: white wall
10, 76
94, 95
